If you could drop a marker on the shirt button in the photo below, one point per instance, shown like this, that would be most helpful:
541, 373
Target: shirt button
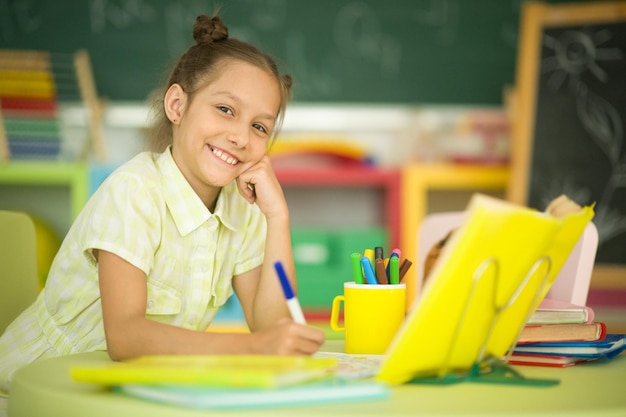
150, 304
193, 319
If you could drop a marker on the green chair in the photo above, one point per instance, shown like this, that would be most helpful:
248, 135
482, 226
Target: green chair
18, 265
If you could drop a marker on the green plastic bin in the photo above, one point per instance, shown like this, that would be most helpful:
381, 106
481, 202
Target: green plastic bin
322, 258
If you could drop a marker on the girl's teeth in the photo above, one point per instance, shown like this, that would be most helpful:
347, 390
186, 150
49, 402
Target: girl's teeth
224, 157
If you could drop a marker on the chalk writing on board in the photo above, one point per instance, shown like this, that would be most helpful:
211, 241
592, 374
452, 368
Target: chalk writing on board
337, 51
119, 14
312, 78
576, 52
177, 27
606, 128
19, 17
508, 27
576, 70
443, 16
270, 15
358, 31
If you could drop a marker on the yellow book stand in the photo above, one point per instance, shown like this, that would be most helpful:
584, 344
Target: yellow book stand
487, 368
490, 276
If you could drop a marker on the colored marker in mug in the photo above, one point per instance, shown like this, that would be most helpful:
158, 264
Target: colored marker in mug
406, 264
393, 254
357, 271
369, 253
368, 270
381, 274
394, 270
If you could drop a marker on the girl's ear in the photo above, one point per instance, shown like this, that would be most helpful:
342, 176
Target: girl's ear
174, 102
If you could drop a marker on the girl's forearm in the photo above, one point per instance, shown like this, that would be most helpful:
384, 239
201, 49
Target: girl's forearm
269, 303
142, 336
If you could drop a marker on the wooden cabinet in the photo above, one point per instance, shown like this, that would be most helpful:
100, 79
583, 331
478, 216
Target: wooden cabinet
418, 180
332, 183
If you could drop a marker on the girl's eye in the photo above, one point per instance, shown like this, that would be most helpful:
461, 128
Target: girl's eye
225, 109
260, 128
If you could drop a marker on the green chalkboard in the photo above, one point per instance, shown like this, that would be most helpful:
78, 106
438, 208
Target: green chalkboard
402, 51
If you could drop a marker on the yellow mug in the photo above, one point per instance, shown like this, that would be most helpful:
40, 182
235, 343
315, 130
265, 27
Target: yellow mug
372, 315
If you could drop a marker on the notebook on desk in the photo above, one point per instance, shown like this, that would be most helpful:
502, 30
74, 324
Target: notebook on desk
491, 275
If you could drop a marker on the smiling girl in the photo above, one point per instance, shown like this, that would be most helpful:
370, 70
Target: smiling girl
165, 240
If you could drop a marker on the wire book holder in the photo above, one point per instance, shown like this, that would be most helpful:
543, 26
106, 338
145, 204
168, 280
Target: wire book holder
488, 368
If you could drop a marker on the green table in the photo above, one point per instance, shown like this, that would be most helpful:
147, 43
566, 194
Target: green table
596, 389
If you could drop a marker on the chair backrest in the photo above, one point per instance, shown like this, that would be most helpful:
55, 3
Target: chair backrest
433, 228
18, 265
572, 282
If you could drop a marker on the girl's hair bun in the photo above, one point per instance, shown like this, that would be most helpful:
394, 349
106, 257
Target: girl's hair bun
209, 29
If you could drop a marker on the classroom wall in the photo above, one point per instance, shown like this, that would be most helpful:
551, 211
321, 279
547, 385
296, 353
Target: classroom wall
400, 78
403, 79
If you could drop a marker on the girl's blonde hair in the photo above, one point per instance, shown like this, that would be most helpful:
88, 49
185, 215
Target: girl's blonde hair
201, 65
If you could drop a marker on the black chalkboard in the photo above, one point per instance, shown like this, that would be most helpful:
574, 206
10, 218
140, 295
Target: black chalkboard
572, 123
405, 51
580, 148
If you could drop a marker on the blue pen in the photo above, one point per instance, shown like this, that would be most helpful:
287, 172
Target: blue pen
292, 302
368, 270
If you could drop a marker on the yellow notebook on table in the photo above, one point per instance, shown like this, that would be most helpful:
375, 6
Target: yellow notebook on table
234, 371
231, 381
493, 272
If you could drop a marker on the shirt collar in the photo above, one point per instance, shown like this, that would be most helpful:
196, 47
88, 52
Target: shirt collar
187, 209
225, 207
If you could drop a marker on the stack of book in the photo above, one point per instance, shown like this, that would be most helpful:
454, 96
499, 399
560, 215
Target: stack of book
563, 334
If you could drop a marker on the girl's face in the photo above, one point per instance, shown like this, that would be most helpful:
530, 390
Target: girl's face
225, 129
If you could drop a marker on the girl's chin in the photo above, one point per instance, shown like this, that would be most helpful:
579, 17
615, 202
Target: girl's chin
218, 180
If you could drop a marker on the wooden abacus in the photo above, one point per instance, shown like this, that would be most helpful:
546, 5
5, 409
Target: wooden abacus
32, 84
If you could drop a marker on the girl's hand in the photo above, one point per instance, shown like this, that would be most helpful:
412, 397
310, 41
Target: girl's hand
259, 185
288, 338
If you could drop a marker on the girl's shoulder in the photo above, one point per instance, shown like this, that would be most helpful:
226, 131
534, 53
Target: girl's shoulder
141, 168
144, 163
137, 179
